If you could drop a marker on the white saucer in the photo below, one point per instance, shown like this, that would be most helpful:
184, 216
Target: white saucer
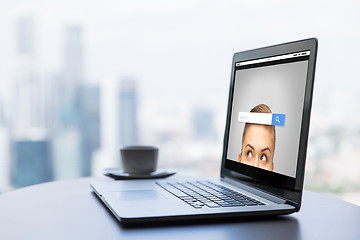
118, 174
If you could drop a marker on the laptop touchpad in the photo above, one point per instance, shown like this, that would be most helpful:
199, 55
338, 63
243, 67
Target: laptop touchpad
136, 195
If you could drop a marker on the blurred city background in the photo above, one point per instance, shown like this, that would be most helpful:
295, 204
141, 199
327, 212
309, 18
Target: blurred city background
81, 78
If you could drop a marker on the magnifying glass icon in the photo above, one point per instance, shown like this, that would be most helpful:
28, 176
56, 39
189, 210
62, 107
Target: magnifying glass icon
277, 119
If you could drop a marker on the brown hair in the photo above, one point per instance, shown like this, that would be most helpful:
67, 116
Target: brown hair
261, 108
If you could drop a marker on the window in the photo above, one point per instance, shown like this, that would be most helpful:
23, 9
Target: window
80, 81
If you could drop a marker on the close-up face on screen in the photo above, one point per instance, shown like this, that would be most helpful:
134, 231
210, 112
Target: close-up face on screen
267, 106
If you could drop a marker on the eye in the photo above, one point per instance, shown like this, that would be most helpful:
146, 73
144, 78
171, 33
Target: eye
263, 157
249, 154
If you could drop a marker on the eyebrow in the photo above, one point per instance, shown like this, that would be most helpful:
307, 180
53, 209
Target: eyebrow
263, 150
248, 145
266, 149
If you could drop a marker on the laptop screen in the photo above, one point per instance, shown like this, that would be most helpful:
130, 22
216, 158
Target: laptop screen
266, 108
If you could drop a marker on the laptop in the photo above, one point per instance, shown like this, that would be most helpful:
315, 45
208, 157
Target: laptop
264, 148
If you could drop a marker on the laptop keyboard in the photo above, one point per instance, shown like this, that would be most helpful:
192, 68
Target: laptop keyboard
200, 194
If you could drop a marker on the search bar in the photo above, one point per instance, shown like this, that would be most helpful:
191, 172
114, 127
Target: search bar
262, 118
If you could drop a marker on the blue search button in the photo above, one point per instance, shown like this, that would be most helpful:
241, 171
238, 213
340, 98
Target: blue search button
278, 119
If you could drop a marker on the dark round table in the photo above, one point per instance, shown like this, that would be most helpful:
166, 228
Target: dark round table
70, 210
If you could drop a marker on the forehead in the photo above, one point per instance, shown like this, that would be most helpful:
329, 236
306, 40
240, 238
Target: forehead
259, 136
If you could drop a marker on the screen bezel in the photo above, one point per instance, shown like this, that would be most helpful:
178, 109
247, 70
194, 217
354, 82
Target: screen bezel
281, 185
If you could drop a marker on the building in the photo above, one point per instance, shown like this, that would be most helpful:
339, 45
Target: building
89, 127
72, 76
66, 154
77, 116
73, 65
4, 159
31, 162
128, 130
30, 144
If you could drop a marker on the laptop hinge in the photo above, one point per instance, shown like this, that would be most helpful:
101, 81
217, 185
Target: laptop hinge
255, 191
